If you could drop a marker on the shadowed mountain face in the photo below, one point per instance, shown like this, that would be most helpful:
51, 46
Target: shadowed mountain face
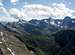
35, 27
65, 42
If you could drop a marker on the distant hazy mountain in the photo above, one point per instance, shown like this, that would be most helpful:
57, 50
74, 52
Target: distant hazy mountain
44, 26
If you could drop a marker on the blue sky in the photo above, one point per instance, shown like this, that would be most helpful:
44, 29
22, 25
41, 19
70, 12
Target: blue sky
39, 8
20, 3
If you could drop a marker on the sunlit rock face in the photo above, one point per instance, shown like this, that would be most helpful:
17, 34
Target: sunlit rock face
11, 45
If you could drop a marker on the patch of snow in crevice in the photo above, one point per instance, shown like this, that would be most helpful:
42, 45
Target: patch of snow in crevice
1, 33
11, 51
0, 42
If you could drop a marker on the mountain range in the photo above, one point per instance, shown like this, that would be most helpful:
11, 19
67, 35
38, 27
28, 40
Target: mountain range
36, 37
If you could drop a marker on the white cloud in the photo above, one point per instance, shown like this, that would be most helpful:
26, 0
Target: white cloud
3, 10
5, 16
14, 11
13, 2
1, 4
61, 10
37, 10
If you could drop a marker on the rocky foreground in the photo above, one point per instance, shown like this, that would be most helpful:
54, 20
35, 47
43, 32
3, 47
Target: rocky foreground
10, 45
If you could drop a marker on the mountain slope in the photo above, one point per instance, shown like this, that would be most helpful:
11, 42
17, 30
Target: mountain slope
10, 44
65, 42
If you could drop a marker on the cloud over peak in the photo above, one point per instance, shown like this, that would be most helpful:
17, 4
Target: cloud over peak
56, 10
61, 10
38, 11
